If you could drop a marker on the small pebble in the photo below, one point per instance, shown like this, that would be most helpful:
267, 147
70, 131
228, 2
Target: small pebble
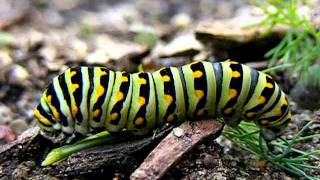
178, 132
18, 75
211, 161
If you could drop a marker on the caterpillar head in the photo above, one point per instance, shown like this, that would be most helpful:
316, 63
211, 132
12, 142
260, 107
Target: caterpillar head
275, 130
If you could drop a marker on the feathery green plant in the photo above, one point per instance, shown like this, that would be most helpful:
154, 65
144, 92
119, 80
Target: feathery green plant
300, 46
288, 157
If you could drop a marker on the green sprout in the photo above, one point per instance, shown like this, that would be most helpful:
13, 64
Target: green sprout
92, 141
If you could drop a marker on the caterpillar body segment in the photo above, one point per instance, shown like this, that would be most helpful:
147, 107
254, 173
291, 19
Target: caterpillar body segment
84, 100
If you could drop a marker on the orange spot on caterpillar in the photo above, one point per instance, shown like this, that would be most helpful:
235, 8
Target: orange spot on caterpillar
141, 100
74, 109
169, 98
228, 111
44, 120
96, 113
124, 79
56, 114
261, 100
200, 112
269, 85
142, 81
233, 62
72, 73
119, 96
250, 114
264, 122
197, 74
278, 112
170, 118
235, 74
101, 73
139, 121
165, 78
199, 93
114, 116
74, 87
233, 93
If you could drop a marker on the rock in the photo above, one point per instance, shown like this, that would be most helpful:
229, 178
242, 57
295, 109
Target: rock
18, 126
211, 161
5, 63
12, 11
119, 53
181, 20
178, 132
307, 88
79, 48
182, 45
49, 53
18, 75
6, 135
6, 115
98, 57
229, 38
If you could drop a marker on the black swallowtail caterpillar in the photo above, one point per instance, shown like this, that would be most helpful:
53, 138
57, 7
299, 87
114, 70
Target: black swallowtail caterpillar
84, 100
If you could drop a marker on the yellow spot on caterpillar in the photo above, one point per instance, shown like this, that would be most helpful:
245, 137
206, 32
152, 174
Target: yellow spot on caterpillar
235, 74
169, 98
49, 98
124, 78
264, 122
114, 116
165, 78
41, 118
278, 112
197, 74
100, 90
72, 73
285, 102
199, 93
261, 100
101, 73
56, 114
119, 96
228, 111
142, 81
141, 100
250, 114
74, 109
233, 93
96, 113
74, 87
200, 112
139, 121
170, 118
269, 85
233, 62
161, 68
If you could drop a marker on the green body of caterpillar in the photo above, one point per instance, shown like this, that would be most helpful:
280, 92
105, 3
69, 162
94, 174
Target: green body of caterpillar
83, 100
